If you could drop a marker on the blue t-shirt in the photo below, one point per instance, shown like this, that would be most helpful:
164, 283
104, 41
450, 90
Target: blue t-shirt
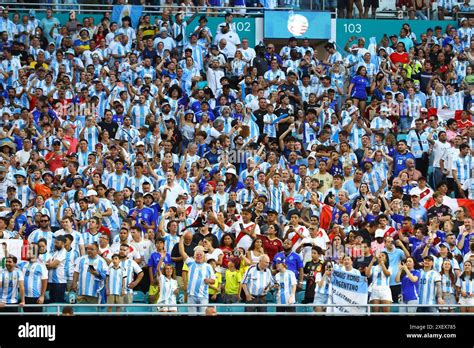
400, 162
155, 259
293, 261
358, 90
145, 214
410, 289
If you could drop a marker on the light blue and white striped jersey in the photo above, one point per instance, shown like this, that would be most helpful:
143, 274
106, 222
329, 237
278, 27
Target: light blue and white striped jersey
71, 257
381, 123
382, 168
460, 69
286, 280
58, 275
167, 288
245, 196
463, 167
326, 287
197, 56
92, 136
102, 99
438, 263
34, 210
131, 268
410, 107
272, 75
355, 137
455, 100
136, 183
34, 273
139, 113
170, 242
379, 278
197, 272
446, 284
258, 281
427, 287
275, 195
91, 238
269, 128
36, 235
52, 205
127, 134
117, 182
81, 216
10, 283
76, 243
89, 284
111, 221
24, 195
115, 277
466, 285
414, 143
438, 101
82, 158
373, 180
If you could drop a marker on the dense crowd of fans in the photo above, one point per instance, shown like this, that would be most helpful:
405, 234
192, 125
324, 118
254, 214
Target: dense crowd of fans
199, 169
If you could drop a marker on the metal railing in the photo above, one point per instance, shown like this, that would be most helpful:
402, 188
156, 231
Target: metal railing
154, 312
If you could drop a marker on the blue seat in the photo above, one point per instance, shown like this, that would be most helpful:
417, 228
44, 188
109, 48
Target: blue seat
304, 309
183, 309
85, 309
223, 309
401, 137
137, 309
51, 309
139, 297
237, 309
299, 296
271, 309
271, 297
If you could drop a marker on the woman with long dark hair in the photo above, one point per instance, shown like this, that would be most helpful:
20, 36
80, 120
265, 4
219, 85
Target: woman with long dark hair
465, 288
380, 287
358, 88
408, 276
232, 183
448, 281
323, 286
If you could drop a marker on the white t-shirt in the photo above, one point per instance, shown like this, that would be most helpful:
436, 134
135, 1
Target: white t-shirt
171, 195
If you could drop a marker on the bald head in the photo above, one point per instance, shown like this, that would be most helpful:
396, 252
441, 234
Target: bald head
188, 237
263, 262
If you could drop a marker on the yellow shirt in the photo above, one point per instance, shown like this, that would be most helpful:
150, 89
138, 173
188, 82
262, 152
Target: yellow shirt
217, 284
232, 281
243, 268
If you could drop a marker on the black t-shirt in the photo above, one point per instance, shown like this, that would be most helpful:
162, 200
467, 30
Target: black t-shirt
310, 270
360, 263
189, 249
199, 237
111, 127
282, 127
259, 115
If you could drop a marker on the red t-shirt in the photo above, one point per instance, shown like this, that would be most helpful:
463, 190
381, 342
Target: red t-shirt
465, 124
400, 58
271, 247
73, 144
56, 161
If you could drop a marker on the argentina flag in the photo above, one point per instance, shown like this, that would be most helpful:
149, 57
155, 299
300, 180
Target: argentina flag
133, 11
